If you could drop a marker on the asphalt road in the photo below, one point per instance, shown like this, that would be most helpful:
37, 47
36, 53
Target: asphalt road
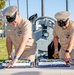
38, 71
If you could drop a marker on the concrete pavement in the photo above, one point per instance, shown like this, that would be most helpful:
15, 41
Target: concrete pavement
38, 71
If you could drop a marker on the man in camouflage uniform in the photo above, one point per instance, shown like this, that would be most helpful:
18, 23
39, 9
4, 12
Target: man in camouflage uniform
64, 31
19, 33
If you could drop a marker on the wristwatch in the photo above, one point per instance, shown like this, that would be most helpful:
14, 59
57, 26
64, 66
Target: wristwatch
15, 57
67, 51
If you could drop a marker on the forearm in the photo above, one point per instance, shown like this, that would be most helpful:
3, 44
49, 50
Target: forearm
9, 46
55, 43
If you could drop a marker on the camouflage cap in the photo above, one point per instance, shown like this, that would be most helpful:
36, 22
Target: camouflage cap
63, 15
10, 11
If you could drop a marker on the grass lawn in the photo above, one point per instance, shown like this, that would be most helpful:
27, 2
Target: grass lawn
3, 51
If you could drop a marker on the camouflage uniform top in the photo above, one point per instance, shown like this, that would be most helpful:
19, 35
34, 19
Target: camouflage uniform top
22, 30
64, 35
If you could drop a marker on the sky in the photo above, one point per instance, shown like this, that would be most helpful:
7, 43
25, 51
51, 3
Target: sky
50, 7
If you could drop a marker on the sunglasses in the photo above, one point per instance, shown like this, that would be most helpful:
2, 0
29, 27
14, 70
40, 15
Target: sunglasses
11, 19
62, 23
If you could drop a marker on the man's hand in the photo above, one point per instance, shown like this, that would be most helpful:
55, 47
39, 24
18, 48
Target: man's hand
11, 63
67, 57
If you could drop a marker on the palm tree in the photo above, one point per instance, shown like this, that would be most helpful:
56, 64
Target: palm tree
27, 7
18, 5
66, 5
42, 7
2, 4
8, 1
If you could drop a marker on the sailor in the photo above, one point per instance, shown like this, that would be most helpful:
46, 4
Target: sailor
19, 33
64, 31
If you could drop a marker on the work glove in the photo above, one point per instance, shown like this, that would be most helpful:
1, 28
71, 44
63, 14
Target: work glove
56, 55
